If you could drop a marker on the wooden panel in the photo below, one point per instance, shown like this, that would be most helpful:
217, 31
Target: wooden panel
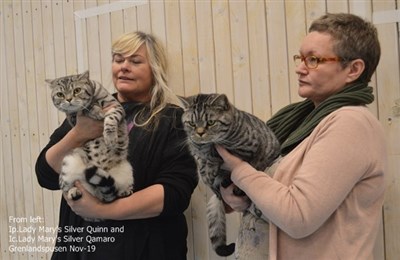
13, 173
388, 91
337, 6
189, 48
206, 51
43, 198
174, 47
222, 45
241, 48
130, 19
143, 16
69, 37
313, 10
157, 13
240, 56
105, 41
30, 144
93, 44
258, 56
296, 28
278, 56
364, 9
7, 207
117, 22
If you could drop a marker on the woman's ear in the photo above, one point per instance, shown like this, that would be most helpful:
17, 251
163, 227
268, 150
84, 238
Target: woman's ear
356, 68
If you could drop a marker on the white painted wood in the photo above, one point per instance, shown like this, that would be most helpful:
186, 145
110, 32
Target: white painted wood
387, 16
241, 48
258, 60
388, 89
223, 48
337, 6
189, 48
174, 46
206, 49
296, 29
93, 45
240, 56
278, 56
108, 8
6, 207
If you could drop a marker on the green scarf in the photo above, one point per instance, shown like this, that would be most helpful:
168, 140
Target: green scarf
293, 123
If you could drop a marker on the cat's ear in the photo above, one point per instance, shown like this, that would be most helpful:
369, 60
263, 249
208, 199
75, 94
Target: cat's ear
185, 102
49, 82
84, 75
221, 100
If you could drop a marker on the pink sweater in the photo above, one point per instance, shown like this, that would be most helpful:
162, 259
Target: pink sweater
325, 199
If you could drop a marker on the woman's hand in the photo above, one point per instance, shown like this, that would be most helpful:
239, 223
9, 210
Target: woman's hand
87, 128
230, 161
87, 206
236, 203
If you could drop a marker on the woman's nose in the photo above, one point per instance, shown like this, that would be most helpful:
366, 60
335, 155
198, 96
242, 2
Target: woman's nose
125, 66
301, 69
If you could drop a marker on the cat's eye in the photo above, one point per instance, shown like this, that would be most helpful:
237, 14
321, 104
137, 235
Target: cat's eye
211, 122
192, 124
77, 91
60, 95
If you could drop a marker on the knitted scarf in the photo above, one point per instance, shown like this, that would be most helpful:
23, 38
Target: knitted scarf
293, 123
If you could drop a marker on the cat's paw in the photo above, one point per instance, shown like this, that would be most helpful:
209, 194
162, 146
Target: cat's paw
225, 250
74, 194
96, 113
110, 138
238, 192
255, 211
125, 193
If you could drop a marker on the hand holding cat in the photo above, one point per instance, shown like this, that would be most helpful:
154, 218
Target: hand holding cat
230, 161
87, 128
87, 206
237, 203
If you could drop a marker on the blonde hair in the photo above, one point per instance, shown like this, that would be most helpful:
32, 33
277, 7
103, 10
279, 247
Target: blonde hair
161, 94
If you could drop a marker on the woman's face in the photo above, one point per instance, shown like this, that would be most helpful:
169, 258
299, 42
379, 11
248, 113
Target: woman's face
132, 76
328, 78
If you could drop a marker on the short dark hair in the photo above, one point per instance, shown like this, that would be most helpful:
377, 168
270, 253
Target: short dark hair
354, 38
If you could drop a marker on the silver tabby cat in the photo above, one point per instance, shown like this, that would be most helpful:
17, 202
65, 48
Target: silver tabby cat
101, 164
210, 119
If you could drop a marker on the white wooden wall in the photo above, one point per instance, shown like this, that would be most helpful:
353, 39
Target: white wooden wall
241, 48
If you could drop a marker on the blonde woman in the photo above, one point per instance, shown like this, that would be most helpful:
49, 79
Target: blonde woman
150, 223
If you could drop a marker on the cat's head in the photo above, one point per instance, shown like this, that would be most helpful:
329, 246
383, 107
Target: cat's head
73, 93
207, 117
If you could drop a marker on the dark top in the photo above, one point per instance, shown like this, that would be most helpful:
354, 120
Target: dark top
158, 156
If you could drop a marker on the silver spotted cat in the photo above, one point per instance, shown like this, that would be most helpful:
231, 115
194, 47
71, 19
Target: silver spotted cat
101, 164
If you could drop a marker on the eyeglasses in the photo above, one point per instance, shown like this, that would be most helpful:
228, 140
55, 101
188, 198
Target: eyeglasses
312, 61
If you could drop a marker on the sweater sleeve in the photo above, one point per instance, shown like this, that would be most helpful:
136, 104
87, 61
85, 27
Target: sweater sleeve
178, 173
338, 161
46, 176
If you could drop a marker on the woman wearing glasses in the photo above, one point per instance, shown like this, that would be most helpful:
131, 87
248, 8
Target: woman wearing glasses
325, 198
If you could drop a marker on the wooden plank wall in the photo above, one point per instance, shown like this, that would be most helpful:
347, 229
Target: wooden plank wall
241, 48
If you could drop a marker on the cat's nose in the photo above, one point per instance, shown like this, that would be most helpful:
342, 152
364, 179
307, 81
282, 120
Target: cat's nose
200, 131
